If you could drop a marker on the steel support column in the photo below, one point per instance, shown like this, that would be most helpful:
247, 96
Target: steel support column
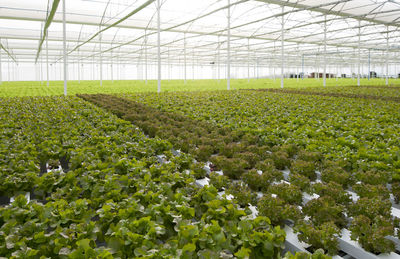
145, 57
79, 66
282, 46
1, 72
65, 50
302, 66
248, 60
112, 68
218, 61
325, 30
229, 47
387, 55
359, 53
184, 56
101, 62
158, 46
369, 64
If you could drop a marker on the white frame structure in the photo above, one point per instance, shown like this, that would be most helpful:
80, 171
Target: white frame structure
117, 34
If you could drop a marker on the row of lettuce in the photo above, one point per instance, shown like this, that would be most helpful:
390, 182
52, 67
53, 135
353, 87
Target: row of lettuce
253, 167
98, 189
364, 91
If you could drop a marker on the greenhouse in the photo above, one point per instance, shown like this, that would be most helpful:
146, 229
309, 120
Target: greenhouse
200, 129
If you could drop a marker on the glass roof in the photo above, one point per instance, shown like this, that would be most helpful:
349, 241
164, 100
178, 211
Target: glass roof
198, 29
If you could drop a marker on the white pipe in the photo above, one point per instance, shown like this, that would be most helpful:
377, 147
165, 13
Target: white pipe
184, 53
8, 70
387, 55
112, 69
218, 61
325, 30
65, 50
169, 66
1, 73
79, 67
229, 47
359, 53
41, 69
282, 46
302, 66
47, 60
158, 45
369, 64
101, 62
193, 71
145, 57
248, 60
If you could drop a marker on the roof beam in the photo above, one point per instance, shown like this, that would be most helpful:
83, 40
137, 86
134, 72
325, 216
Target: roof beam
328, 12
147, 3
46, 26
8, 53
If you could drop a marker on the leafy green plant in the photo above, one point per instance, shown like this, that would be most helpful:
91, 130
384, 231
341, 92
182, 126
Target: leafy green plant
324, 209
277, 210
232, 167
219, 181
371, 191
373, 177
336, 174
253, 179
396, 191
310, 156
249, 157
324, 236
287, 192
371, 208
198, 170
304, 168
242, 193
290, 149
281, 159
204, 152
333, 190
301, 181
371, 233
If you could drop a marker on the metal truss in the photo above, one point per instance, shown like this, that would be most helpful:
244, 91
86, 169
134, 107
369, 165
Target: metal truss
225, 33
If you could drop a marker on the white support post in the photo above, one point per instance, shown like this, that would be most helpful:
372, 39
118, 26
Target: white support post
1, 72
229, 47
369, 64
158, 45
112, 68
297, 66
169, 66
274, 61
387, 55
325, 30
337, 66
184, 55
8, 69
258, 68
255, 66
145, 57
282, 46
302, 66
41, 69
79, 67
218, 61
101, 62
193, 67
65, 50
118, 65
248, 60
359, 53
